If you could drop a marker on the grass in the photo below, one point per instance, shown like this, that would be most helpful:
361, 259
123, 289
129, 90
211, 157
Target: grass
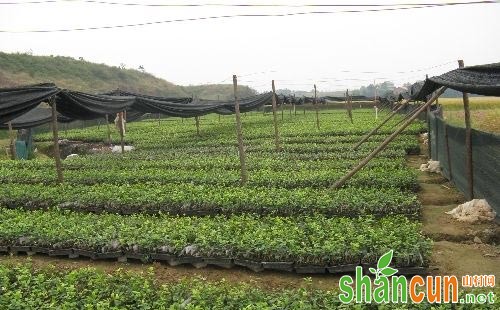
485, 112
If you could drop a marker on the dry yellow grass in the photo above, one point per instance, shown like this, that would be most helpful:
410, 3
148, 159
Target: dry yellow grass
485, 112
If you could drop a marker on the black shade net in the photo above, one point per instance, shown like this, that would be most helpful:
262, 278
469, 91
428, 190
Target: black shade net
480, 80
17, 101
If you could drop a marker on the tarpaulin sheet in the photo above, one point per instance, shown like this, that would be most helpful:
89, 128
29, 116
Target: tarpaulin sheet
35, 117
480, 80
16, 101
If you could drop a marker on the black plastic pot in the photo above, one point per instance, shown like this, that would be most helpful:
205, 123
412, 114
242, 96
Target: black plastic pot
84, 253
219, 262
342, 268
162, 257
137, 256
180, 260
254, 266
310, 269
61, 252
40, 250
280, 266
109, 255
16, 249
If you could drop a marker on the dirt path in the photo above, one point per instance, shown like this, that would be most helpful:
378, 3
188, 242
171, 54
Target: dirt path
459, 248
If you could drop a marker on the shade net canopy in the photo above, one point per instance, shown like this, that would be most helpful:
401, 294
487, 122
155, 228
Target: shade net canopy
83, 106
35, 117
480, 80
17, 101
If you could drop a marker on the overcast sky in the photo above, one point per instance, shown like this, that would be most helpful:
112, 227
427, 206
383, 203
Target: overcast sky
296, 51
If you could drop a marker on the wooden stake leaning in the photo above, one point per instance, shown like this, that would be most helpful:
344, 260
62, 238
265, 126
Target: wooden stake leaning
12, 143
241, 149
382, 146
55, 134
468, 143
316, 105
275, 120
368, 135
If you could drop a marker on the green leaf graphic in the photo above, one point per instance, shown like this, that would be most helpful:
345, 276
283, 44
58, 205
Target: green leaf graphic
373, 270
385, 260
388, 271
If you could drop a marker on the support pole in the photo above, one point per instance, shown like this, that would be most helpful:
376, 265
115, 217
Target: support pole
275, 120
382, 146
368, 135
468, 143
159, 119
241, 149
12, 142
55, 134
109, 130
122, 134
447, 146
316, 105
197, 120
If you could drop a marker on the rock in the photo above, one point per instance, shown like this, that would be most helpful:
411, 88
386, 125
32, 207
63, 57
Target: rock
118, 148
72, 156
477, 240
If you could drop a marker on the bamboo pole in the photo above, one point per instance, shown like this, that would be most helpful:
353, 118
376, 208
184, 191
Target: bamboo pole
374, 130
468, 143
12, 142
241, 149
447, 146
109, 130
382, 146
275, 121
122, 134
55, 134
316, 105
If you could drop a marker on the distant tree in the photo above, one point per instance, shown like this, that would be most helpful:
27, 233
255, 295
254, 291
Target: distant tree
122, 66
141, 68
81, 59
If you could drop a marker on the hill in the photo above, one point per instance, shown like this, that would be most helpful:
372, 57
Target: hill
81, 75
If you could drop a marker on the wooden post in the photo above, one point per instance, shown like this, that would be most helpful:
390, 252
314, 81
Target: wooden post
122, 134
368, 135
109, 130
382, 146
125, 120
159, 119
281, 107
294, 109
241, 149
275, 121
468, 143
12, 140
197, 121
55, 134
316, 105
219, 118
